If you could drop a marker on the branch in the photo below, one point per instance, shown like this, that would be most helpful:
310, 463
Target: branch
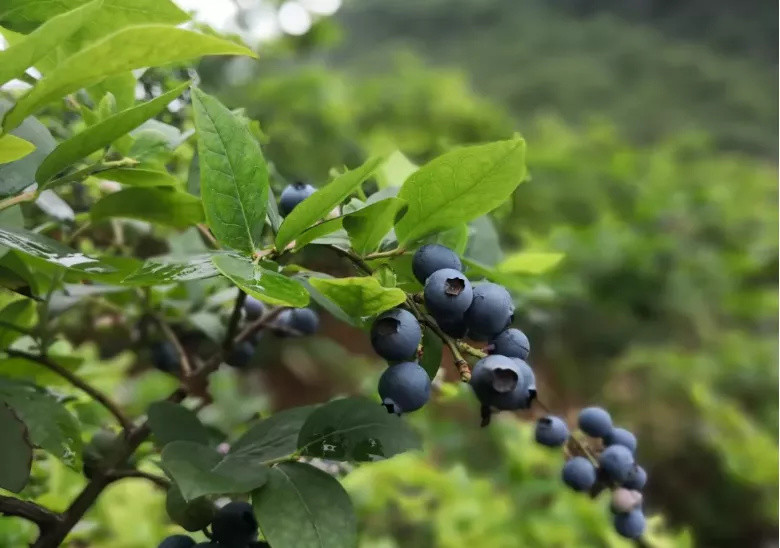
184, 361
160, 481
93, 392
235, 316
43, 517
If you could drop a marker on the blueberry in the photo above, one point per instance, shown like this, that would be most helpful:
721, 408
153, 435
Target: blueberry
177, 541
234, 525
594, 421
511, 342
432, 257
396, 334
503, 383
292, 195
447, 293
253, 308
491, 311
625, 500
404, 387
551, 431
637, 478
630, 525
164, 356
617, 462
240, 355
621, 436
579, 474
303, 320
454, 326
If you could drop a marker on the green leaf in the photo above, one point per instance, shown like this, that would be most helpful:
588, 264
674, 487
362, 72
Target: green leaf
459, 186
432, 351
366, 227
324, 302
359, 297
16, 456
274, 437
52, 251
15, 60
18, 175
530, 262
165, 207
159, 272
455, 238
139, 177
200, 470
24, 15
263, 284
318, 231
50, 203
12, 217
303, 507
127, 49
192, 516
319, 204
20, 313
355, 429
171, 422
121, 86
51, 426
233, 175
12, 148
101, 134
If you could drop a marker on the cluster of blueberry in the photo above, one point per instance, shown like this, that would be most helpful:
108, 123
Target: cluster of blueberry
234, 526
501, 381
609, 463
297, 321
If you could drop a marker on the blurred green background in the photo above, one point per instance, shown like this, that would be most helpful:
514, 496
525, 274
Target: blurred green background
652, 150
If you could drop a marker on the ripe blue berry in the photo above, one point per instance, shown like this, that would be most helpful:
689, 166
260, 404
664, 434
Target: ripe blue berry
404, 387
551, 431
292, 195
234, 524
511, 342
503, 383
579, 474
432, 257
303, 320
594, 421
491, 311
637, 478
240, 355
164, 356
253, 308
617, 462
177, 541
396, 334
621, 436
447, 293
630, 525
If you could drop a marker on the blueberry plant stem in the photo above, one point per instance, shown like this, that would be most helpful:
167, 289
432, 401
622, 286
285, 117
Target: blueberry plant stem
184, 361
93, 392
44, 518
235, 316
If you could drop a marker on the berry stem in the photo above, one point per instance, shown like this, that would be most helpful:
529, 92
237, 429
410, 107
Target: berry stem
470, 350
184, 361
385, 254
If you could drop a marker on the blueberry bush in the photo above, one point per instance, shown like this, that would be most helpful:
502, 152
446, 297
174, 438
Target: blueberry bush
144, 197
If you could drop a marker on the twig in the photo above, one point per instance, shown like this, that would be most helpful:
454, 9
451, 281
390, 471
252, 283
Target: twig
28, 196
85, 172
235, 316
385, 254
468, 349
43, 517
184, 361
160, 481
207, 235
94, 393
